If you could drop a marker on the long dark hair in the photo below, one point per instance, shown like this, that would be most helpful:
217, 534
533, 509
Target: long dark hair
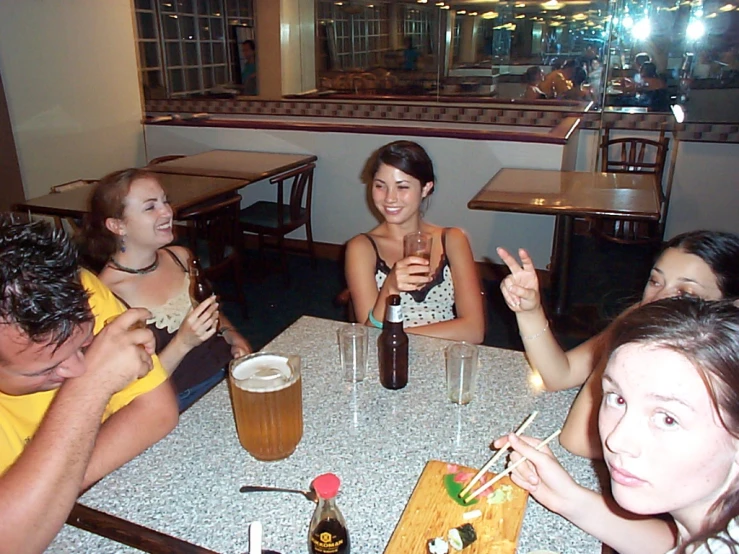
107, 200
719, 250
707, 334
405, 155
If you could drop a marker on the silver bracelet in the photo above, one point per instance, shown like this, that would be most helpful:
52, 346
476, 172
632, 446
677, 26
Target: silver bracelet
535, 335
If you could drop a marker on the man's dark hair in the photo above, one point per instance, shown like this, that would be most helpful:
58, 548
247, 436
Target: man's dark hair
40, 290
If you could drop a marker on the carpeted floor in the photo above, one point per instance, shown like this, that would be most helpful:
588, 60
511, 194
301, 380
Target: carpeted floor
606, 275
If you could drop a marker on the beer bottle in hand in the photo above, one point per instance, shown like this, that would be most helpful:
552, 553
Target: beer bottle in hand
392, 347
327, 533
200, 288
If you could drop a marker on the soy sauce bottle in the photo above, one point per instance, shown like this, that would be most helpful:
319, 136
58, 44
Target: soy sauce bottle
327, 533
392, 347
200, 288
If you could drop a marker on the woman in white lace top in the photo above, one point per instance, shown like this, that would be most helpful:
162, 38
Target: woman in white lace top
129, 226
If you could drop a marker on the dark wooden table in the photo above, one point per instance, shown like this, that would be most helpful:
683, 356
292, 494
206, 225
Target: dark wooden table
566, 195
188, 181
235, 164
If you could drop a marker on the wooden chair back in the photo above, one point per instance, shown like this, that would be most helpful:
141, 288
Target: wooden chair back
300, 197
216, 223
634, 155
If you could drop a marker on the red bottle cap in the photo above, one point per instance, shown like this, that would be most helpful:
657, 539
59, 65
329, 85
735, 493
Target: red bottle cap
326, 485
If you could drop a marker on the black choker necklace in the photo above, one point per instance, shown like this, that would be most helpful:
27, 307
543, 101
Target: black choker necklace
142, 271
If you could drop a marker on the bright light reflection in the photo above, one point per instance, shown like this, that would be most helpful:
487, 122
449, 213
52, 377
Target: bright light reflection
726, 8
535, 381
628, 23
642, 29
489, 15
695, 30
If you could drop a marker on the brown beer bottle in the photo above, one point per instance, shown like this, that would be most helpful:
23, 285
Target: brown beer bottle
392, 347
200, 288
327, 533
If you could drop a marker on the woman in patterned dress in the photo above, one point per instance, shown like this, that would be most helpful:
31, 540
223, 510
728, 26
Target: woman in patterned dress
441, 297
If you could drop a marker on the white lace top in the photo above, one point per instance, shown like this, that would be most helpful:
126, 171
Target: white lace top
172, 313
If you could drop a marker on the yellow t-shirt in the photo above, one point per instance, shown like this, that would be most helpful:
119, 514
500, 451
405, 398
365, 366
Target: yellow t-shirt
20, 416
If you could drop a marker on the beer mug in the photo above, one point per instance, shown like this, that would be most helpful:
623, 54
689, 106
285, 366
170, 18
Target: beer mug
267, 399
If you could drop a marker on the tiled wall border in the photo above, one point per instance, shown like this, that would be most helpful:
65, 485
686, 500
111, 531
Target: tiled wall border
442, 113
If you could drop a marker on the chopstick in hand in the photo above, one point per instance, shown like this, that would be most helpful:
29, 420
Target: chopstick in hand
497, 455
511, 467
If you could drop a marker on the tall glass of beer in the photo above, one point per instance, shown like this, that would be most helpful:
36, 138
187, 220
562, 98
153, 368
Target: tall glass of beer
267, 399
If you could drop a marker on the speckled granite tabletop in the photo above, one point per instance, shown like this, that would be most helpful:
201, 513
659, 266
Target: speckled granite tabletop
376, 440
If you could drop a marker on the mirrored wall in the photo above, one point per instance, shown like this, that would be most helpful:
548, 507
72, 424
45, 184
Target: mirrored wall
635, 56
621, 55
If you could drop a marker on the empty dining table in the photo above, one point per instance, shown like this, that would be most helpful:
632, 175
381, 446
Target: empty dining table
235, 164
376, 440
566, 195
183, 191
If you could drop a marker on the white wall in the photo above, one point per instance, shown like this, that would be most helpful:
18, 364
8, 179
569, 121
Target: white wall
71, 82
340, 208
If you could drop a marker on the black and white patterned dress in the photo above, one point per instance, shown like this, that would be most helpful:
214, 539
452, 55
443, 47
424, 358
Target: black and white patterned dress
432, 303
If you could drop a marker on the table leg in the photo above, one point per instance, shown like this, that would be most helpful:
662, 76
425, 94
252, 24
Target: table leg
560, 263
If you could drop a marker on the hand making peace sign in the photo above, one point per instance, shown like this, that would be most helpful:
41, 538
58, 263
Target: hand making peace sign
521, 288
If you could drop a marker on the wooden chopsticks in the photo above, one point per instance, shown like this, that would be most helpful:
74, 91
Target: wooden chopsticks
497, 455
511, 467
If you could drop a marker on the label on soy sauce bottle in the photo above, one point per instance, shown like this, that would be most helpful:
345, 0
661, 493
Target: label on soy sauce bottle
329, 537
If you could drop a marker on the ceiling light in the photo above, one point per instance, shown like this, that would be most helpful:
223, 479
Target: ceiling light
461, 12
490, 15
520, 16
551, 5
726, 8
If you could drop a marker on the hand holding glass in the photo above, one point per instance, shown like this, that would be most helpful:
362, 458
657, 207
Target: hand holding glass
353, 345
418, 244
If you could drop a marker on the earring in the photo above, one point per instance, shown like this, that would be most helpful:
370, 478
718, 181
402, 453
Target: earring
123, 243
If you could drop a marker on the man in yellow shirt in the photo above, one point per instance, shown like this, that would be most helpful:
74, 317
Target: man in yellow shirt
78, 398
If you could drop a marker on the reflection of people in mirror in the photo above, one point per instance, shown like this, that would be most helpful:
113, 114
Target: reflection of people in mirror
249, 67
559, 81
533, 78
410, 55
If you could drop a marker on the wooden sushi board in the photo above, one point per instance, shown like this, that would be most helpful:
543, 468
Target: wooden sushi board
431, 512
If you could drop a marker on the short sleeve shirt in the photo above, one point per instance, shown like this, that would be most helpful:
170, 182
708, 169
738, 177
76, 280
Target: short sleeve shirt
21, 416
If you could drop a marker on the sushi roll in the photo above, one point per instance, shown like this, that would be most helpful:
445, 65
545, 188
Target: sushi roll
462, 536
438, 546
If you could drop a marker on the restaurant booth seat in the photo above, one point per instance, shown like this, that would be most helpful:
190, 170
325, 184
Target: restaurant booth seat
633, 155
277, 219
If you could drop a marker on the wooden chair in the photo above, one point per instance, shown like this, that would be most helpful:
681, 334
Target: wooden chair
277, 219
633, 155
213, 235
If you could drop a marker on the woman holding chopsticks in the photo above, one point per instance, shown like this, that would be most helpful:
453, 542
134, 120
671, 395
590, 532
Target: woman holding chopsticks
440, 296
700, 263
669, 426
